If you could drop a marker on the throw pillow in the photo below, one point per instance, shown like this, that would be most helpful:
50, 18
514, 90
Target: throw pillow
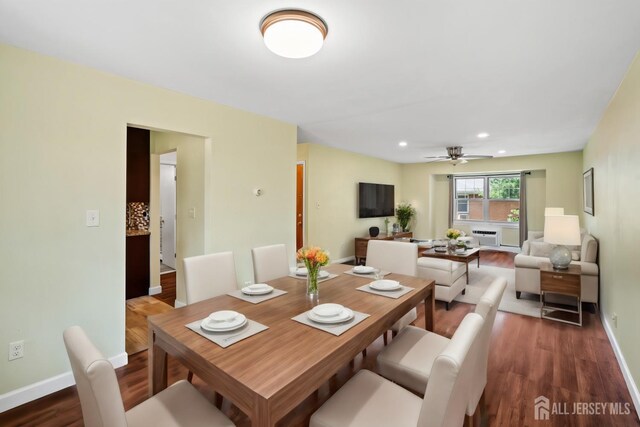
541, 249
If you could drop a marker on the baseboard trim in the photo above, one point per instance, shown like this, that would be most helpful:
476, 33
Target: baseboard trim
179, 304
626, 373
45, 387
343, 260
155, 290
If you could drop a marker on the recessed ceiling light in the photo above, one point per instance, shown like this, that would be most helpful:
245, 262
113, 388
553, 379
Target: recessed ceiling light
502, 151
483, 135
293, 33
402, 143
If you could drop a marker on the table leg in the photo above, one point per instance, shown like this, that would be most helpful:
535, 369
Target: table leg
467, 272
261, 416
157, 366
429, 310
478, 259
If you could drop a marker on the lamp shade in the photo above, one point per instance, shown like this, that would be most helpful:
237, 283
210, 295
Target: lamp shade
562, 230
553, 211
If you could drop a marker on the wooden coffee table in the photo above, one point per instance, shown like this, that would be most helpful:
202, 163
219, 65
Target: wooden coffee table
465, 257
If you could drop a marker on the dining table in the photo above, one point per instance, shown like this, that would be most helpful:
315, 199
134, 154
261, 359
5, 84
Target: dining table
268, 374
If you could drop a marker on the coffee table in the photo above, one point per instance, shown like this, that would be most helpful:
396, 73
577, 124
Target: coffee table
465, 257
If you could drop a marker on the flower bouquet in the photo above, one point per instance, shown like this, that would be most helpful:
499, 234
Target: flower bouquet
313, 258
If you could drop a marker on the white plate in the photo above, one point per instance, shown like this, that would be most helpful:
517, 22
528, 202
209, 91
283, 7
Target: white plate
258, 289
327, 310
302, 271
346, 315
363, 269
385, 285
223, 316
236, 323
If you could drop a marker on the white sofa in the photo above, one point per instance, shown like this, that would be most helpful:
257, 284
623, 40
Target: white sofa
535, 251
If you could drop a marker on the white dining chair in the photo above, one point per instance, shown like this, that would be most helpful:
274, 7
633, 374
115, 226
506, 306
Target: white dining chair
369, 400
269, 262
399, 258
208, 276
178, 405
409, 359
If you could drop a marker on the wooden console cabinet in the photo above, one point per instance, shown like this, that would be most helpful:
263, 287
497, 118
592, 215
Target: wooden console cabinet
362, 242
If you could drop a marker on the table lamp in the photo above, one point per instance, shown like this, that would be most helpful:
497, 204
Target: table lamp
561, 230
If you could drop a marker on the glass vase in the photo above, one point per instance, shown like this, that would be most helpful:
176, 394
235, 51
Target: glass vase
312, 283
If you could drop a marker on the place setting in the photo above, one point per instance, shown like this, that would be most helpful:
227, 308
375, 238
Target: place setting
367, 271
226, 327
256, 293
386, 288
302, 273
332, 318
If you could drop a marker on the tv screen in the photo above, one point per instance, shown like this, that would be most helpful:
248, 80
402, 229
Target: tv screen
375, 200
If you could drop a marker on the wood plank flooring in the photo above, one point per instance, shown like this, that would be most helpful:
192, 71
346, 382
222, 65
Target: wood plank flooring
529, 357
136, 336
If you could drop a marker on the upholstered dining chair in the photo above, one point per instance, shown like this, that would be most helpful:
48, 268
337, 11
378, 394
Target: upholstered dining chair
410, 359
208, 276
399, 258
178, 405
369, 400
269, 262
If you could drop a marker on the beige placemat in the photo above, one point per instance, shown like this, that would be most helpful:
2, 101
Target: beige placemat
335, 329
389, 294
255, 299
331, 276
369, 275
225, 339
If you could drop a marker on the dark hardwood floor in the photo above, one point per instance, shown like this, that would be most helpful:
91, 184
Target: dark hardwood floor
529, 357
168, 283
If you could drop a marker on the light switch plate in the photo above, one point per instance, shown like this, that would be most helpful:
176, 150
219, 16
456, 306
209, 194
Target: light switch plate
93, 218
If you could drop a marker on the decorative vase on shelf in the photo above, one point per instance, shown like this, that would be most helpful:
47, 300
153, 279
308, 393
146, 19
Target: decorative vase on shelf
374, 231
313, 258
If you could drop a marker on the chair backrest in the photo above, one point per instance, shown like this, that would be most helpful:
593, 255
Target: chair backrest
96, 381
487, 307
447, 394
207, 276
396, 257
269, 262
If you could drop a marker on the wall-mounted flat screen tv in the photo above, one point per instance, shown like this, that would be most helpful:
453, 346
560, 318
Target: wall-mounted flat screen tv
375, 200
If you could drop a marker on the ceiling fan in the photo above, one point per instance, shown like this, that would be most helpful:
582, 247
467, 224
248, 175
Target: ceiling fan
456, 157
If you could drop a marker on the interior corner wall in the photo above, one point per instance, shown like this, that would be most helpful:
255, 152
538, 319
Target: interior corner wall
613, 152
190, 194
63, 145
556, 180
332, 195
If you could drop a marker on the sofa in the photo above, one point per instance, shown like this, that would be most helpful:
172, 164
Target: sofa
535, 250
449, 277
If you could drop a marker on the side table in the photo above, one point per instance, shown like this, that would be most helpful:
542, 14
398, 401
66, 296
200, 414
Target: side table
563, 282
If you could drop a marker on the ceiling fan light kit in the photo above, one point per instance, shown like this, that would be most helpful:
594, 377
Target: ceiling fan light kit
293, 33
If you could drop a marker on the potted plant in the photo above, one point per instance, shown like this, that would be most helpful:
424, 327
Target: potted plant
404, 213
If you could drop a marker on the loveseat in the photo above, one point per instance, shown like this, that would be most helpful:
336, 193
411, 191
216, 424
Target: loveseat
535, 250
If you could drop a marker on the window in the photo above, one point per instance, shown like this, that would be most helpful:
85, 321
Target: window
493, 198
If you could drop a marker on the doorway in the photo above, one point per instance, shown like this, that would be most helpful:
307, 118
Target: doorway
300, 205
168, 212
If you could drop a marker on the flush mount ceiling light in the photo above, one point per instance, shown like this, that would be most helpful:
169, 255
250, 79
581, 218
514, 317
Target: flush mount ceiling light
293, 33
402, 143
483, 135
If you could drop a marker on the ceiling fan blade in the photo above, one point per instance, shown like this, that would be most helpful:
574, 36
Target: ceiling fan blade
476, 156
437, 157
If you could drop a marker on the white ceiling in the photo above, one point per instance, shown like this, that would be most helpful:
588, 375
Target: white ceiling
535, 74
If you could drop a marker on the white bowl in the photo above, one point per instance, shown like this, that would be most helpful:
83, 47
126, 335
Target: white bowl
363, 269
327, 310
223, 316
385, 285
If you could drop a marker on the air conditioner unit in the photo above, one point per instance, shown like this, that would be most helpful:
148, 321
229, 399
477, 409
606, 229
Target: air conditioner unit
487, 237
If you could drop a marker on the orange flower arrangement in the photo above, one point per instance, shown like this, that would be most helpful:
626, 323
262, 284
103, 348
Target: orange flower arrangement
313, 258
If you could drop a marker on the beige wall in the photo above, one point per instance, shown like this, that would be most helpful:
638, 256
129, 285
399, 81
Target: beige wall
614, 153
556, 180
332, 177
190, 231
62, 135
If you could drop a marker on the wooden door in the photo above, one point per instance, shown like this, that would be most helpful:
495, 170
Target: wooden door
299, 205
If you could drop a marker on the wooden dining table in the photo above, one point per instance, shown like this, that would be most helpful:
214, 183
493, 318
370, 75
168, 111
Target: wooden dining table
270, 373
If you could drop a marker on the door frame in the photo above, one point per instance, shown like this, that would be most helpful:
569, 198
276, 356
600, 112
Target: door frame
304, 200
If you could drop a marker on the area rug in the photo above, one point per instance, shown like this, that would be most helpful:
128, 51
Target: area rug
481, 278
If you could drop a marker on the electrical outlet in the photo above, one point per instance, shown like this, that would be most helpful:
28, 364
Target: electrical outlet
16, 350
614, 319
